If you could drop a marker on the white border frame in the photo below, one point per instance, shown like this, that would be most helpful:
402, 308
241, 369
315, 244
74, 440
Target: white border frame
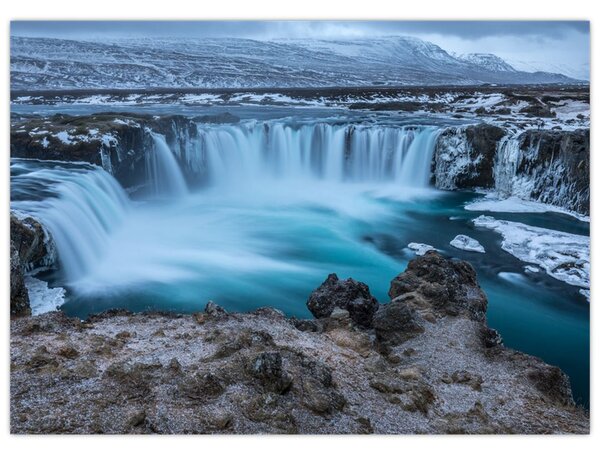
271, 10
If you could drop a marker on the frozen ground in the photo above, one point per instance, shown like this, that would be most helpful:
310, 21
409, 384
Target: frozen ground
513, 108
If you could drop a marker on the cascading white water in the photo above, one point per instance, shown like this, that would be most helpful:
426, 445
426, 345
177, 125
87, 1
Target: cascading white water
85, 205
230, 154
162, 169
505, 168
415, 170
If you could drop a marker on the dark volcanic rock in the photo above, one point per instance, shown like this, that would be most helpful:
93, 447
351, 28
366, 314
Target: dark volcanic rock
483, 139
31, 242
551, 166
405, 106
552, 382
257, 373
557, 164
19, 297
214, 310
30, 248
115, 141
490, 337
538, 110
448, 287
465, 157
201, 386
268, 368
317, 388
435, 368
348, 295
396, 322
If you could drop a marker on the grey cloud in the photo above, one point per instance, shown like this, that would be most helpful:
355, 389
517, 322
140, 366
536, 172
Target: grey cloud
261, 29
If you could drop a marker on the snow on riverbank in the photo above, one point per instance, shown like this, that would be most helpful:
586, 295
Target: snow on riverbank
564, 256
43, 299
492, 203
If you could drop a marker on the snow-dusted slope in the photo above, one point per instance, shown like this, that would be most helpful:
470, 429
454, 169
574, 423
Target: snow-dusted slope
581, 72
44, 63
487, 61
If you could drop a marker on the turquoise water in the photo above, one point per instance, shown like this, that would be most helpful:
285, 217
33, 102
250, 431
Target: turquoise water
270, 242
275, 251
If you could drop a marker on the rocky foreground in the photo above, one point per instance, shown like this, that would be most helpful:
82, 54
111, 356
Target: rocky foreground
426, 362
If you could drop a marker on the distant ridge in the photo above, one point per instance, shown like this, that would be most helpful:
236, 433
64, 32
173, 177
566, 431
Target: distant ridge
53, 64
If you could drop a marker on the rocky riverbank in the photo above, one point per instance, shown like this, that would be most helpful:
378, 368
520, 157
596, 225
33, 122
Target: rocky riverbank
425, 362
30, 248
548, 166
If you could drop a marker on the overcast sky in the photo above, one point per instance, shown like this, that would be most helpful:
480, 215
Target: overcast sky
544, 45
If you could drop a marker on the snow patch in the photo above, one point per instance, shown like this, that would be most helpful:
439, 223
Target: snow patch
467, 243
420, 249
564, 256
64, 137
108, 140
572, 110
492, 203
42, 298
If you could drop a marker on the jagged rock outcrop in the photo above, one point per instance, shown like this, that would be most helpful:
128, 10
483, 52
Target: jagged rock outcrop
348, 295
117, 142
260, 372
30, 248
549, 166
32, 242
397, 322
464, 157
19, 297
440, 286
554, 167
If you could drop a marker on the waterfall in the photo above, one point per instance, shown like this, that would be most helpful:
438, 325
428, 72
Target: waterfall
416, 169
505, 168
254, 151
80, 206
162, 170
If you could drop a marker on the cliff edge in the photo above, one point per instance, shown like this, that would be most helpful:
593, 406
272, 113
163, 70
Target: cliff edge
425, 362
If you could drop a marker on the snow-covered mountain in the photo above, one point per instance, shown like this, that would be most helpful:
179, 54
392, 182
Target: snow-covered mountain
487, 61
47, 64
